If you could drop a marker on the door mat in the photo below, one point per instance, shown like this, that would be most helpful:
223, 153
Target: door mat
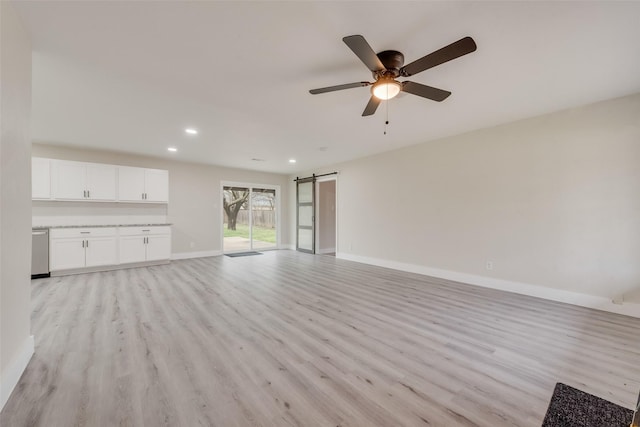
570, 407
243, 254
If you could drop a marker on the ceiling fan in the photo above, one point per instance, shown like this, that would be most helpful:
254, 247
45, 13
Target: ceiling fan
387, 66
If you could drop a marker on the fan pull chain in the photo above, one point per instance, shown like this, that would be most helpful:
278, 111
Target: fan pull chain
386, 122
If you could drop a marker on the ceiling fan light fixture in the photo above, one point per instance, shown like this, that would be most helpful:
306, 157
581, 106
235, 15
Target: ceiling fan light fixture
385, 89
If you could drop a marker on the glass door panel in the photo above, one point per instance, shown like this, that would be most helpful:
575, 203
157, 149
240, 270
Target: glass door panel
236, 219
305, 216
263, 218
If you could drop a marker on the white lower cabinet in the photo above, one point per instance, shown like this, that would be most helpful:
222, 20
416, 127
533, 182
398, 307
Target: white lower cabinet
140, 244
101, 251
132, 249
158, 247
65, 254
73, 248
78, 248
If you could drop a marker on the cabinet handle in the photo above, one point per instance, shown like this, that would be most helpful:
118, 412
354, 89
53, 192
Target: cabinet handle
145, 230
87, 244
83, 243
84, 194
85, 232
88, 194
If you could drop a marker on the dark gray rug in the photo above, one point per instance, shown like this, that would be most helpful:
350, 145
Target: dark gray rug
570, 407
243, 254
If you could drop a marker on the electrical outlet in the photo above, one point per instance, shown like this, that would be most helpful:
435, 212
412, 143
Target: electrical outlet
489, 265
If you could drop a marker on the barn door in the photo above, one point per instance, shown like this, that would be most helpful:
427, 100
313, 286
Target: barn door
305, 224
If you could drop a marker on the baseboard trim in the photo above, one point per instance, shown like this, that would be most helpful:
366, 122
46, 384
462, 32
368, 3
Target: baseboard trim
189, 255
575, 298
326, 251
12, 374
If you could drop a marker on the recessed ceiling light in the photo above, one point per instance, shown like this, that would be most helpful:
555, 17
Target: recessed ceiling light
172, 149
191, 131
292, 160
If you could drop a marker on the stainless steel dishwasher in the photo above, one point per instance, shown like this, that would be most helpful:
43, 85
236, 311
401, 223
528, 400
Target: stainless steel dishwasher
39, 253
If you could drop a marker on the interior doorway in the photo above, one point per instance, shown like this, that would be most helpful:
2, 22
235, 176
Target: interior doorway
326, 230
250, 217
317, 214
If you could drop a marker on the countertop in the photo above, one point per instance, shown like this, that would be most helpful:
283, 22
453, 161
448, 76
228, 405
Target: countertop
40, 227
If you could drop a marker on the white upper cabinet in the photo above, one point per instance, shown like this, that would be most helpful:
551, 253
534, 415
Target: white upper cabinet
101, 182
83, 181
79, 181
130, 184
68, 180
40, 178
156, 184
143, 185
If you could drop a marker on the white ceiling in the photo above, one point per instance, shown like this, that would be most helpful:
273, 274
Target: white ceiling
130, 76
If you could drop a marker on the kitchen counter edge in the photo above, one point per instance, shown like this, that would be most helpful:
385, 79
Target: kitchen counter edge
40, 227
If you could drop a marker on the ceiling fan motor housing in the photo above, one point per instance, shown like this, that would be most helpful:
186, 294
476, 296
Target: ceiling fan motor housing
392, 61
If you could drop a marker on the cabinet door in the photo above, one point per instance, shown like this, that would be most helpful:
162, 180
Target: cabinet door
132, 249
101, 251
40, 178
68, 180
158, 247
130, 184
156, 184
66, 253
101, 182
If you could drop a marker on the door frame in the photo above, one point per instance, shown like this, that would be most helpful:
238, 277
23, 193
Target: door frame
250, 186
317, 211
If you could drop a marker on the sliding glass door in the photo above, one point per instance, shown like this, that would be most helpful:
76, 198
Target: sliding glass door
263, 218
249, 218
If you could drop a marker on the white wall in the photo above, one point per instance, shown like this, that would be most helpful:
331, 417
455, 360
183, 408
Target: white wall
16, 343
194, 196
551, 201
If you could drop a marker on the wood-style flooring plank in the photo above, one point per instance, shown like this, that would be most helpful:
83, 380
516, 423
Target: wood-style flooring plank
290, 339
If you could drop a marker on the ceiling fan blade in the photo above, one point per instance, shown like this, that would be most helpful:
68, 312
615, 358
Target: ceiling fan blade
447, 53
361, 48
338, 87
371, 107
424, 91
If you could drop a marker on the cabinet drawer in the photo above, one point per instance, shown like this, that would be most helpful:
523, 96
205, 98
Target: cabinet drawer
61, 233
151, 230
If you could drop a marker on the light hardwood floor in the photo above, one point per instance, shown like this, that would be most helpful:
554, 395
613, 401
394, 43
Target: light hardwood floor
289, 339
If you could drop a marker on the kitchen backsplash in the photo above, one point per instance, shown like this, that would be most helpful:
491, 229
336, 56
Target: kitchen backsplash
94, 213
